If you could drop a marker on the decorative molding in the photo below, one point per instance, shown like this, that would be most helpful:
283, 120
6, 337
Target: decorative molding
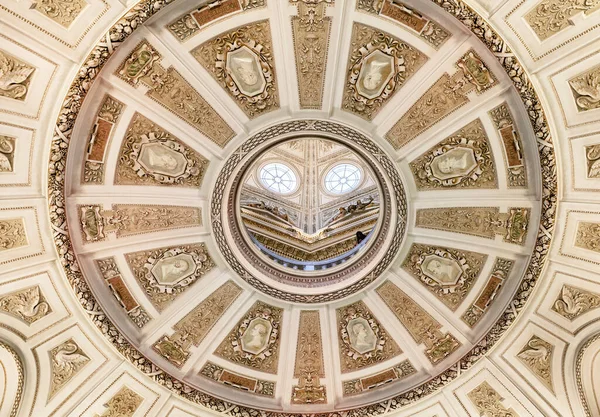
254, 341
516, 171
430, 31
165, 273
107, 117
170, 89
67, 359
28, 305
235, 380
484, 222
150, 155
15, 77
551, 17
241, 60
488, 402
131, 219
308, 366
399, 372
445, 96
12, 234
573, 302
123, 404
500, 273
537, 356
311, 31
114, 279
7, 153
379, 64
588, 236
447, 273
462, 160
63, 12
20, 380
189, 24
423, 328
193, 328
362, 340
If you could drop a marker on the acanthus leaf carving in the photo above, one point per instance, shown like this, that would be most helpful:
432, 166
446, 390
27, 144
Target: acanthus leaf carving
64, 12
537, 356
550, 17
28, 305
488, 402
67, 360
15, 77
12, 234
7, 153
574, 302
123, 404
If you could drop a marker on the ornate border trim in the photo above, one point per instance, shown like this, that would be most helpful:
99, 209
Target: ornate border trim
134, 18
20, 379
222, 202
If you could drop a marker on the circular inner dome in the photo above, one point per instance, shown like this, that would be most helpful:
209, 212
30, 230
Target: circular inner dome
309, 204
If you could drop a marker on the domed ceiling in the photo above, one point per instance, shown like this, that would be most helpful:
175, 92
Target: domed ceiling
207, 140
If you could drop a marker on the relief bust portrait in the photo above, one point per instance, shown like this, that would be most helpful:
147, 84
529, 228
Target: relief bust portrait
256, 337
376, 71
362, 337
457, 162
442, 270
170, 270
244, 68
159, 159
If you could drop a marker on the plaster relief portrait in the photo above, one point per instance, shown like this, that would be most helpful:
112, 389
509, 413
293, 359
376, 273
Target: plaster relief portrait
444, 271
245, 70
455, 163
7, 154
376, 72
171, 270
362, 337
256, 337
159, 159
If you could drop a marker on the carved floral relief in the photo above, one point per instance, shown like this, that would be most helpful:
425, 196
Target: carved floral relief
550, 17
194, 326
588, 236
423, 328
242, 61
123, 404
170, 89
15, 77
592, 156
164, 273
537, 356
7, 153
512, 145
254, 341
150, 155
28, 305
12, 234
63, 12
586, 89
489, 403
378, 66
308, 367
363, 340
447, 273
67, 360
462, 160
574, 302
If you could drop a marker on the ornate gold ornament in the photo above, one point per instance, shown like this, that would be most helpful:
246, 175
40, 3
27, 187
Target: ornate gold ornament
194, 326
447, 273
106, 119
537, 356
363, 340
478, 221
241, 382
588, 236
114, 279
592, 156
123, 404
151, 155
380, 379
423, 328
445, 96
63, 12
574, 302
28, 305
464, 159
254, 341
308, 367
430, 31
62, 136
169, 88
500, 273
66, 360
241, 60
12, 234
311, 32
378, 66
164, 273
132, 219
586, 89
488, 402
190, 23
512, 144
15, 77
7, 153
550, 17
